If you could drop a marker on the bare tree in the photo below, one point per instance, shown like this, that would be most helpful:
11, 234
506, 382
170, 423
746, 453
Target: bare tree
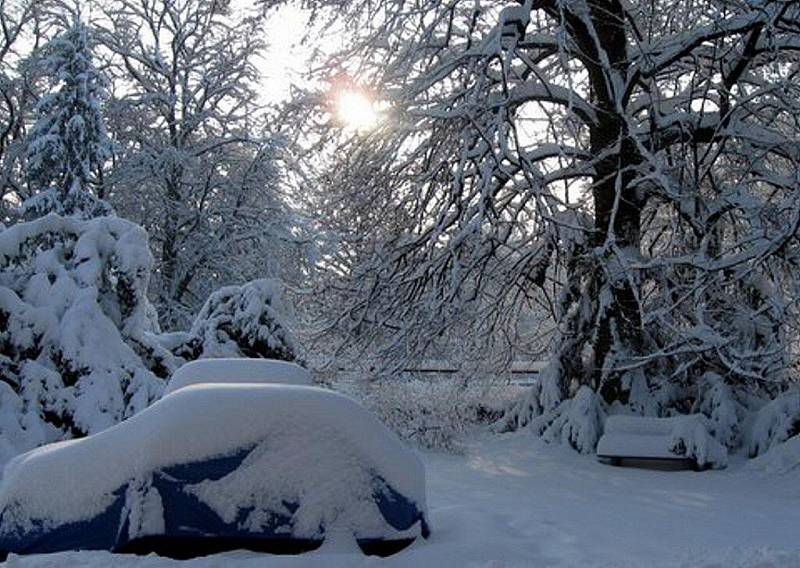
633, 164
193, 165
24, 26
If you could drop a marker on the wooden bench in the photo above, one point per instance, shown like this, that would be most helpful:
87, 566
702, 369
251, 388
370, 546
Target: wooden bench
637, 441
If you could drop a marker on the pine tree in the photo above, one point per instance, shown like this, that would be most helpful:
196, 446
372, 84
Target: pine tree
69, 141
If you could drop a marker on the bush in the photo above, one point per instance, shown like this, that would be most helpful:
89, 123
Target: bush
242, 321
75, 325
436, 414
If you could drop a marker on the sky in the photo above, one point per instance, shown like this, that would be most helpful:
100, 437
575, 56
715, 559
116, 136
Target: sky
287, 57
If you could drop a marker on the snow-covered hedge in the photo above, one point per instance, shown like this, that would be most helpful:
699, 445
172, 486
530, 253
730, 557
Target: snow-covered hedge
577, 421
76, 330
776, 423
725, 413
712, 417
690, 437
781, 458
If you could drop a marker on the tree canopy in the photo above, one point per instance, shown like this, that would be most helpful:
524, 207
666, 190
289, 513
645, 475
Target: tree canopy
632, 167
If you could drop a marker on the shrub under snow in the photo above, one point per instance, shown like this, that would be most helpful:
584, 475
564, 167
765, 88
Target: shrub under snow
435, 414
690, 437
781, 458
577, 422
80, 346
242, 321
717, 401
76, 348
776, 423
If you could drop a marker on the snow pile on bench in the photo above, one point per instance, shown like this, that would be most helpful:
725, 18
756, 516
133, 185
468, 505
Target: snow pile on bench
309, 460
679, 437
262, 371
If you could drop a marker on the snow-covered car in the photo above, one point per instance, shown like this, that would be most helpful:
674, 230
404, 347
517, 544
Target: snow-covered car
214, 467
263, 371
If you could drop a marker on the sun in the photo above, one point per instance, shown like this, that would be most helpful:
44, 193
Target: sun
356, 110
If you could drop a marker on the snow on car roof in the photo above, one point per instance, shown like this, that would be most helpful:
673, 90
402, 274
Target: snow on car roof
267, 371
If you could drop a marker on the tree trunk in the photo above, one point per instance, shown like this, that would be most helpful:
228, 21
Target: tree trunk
616, 231
169, 252
617, 210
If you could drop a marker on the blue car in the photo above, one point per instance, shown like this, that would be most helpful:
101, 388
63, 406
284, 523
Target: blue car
213, 467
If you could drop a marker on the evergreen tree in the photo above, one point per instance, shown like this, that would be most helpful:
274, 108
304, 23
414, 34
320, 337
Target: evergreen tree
69, 141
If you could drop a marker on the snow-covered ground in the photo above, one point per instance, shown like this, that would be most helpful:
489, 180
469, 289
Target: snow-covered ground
513, 501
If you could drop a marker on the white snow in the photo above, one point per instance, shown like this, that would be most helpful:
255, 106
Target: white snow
775, 423
307, 442
514, 501
230, 370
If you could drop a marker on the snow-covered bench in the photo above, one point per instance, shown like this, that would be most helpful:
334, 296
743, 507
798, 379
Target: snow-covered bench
216, 467
262, 371
679, 440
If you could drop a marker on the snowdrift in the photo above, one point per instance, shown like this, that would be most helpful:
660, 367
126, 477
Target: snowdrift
228, 370
212, 467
